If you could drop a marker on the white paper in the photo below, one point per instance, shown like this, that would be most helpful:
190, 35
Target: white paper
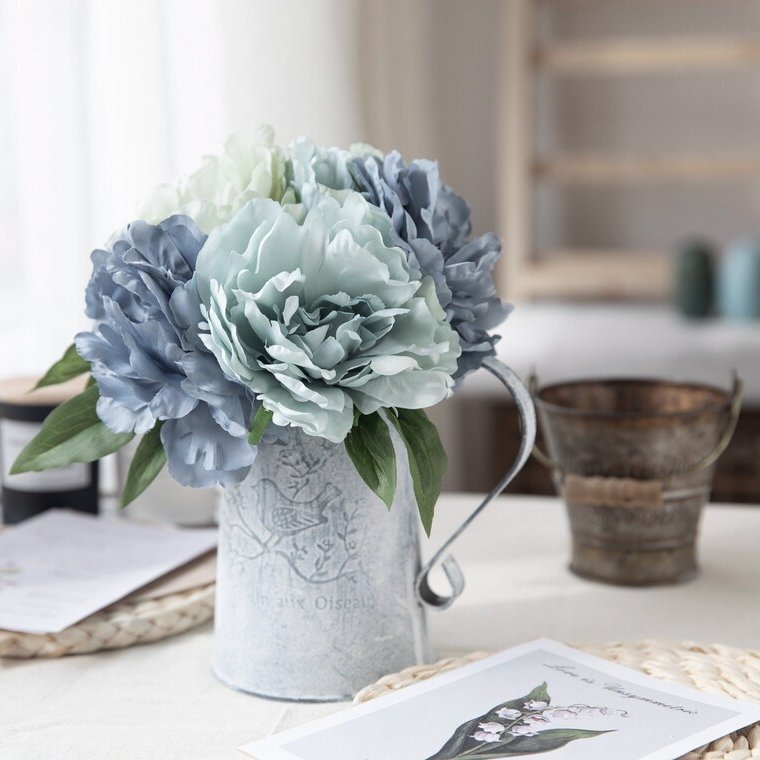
613, 712
61, 566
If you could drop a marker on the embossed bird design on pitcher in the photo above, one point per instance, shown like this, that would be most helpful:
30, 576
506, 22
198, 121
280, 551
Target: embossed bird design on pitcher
290, 516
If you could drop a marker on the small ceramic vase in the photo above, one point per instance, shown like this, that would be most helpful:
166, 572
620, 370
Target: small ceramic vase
694, 279
739, 282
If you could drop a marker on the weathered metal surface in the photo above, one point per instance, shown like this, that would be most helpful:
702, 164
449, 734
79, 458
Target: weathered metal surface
644, 430
319, 586
315, 589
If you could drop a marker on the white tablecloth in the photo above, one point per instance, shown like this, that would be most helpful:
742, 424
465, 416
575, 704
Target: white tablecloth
161, 701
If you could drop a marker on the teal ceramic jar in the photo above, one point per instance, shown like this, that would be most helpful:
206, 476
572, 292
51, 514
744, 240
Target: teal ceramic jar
694, 279
739, 281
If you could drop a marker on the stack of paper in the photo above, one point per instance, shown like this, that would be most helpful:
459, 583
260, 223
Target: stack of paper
61, 566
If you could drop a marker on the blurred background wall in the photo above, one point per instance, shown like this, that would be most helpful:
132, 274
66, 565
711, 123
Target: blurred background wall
102, 99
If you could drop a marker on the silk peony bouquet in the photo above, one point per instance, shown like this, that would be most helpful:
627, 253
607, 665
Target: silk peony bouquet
336, 291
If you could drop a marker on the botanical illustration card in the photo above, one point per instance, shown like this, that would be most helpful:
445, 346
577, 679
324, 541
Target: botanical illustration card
540, 698
60, 566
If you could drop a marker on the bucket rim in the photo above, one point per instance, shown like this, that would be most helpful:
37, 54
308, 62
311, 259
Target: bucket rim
632, 415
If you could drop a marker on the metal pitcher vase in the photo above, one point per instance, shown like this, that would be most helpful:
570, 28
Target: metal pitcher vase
320, 588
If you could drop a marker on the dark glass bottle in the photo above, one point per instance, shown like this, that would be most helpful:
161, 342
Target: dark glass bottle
28, 494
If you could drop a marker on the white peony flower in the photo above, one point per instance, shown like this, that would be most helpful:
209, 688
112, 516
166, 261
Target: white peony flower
251, 166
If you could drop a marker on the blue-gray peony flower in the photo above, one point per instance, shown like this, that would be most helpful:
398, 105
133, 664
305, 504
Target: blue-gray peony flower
144, 360
318, 315
432, 224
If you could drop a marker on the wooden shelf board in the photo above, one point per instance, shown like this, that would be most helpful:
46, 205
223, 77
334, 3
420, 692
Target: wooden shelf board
599, 169
596, 274
647, 55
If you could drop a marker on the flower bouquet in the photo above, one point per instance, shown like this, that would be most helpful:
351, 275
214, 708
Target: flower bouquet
276, 323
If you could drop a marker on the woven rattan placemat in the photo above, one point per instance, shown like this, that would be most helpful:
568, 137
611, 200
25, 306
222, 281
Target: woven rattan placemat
715, 669
173, 604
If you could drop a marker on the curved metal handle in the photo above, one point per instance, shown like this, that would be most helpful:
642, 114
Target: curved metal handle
737, 396
527, 414
538, 454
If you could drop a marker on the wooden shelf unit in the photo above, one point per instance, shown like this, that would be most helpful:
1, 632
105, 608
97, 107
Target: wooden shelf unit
613, 57
607, 170
582, 274
528, 273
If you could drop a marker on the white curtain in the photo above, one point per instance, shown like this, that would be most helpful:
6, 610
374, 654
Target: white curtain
93, 94
102, 99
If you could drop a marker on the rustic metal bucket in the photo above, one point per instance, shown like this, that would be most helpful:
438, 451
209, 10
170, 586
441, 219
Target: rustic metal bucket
634, 461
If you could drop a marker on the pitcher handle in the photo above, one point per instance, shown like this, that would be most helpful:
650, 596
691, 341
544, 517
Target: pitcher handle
453, 573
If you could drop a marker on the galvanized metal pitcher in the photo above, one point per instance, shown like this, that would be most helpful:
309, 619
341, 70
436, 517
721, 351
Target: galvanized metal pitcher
320, 589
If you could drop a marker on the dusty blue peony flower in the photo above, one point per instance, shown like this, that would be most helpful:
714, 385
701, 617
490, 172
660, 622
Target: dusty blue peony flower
432, 223
144, 360
318, 315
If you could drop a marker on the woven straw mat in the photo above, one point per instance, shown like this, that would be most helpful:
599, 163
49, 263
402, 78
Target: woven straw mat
171, 604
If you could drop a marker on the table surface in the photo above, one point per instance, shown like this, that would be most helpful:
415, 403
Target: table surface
563, 341
161, 700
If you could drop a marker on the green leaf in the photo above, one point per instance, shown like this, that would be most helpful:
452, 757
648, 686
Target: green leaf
427, 459
370, 448
70, 433
148, 461
69, 366
259, 423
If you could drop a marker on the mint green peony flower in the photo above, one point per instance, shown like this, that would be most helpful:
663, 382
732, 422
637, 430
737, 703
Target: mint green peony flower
319, 315
314, 165
251, 166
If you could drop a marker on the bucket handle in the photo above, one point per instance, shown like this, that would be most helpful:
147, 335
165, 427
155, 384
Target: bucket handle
526, 412
737, 395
